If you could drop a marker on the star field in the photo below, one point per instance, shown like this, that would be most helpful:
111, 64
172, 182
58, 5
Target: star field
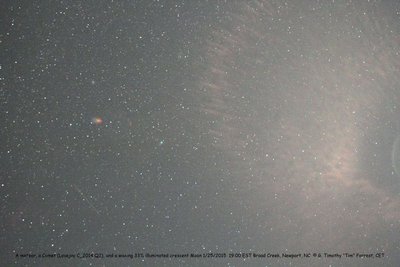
200, 127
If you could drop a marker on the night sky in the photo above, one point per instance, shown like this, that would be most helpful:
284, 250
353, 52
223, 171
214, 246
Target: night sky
200, 127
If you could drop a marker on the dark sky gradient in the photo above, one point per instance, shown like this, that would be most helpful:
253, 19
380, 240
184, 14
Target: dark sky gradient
237, 126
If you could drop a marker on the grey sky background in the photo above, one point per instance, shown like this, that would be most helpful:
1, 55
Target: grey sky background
200, 126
